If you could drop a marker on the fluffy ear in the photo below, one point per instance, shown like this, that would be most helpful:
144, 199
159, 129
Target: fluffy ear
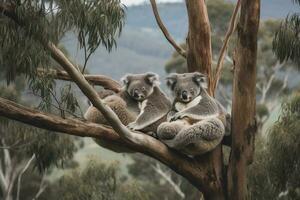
200, 79
171, 80
152, 78
126, 79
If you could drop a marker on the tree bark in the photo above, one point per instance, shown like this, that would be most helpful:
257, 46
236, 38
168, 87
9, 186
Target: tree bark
199, 58
244, 100
199, 52
192, 169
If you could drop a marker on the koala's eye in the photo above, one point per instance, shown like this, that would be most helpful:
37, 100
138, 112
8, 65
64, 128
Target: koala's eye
143, 88
192, 91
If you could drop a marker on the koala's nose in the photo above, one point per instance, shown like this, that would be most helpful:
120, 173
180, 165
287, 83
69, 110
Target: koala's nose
136, 93
184, 95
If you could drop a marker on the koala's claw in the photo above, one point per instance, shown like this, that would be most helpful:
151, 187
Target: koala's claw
176, 117
133, 126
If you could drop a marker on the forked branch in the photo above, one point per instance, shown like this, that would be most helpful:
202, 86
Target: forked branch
229, 32
180, 163
164, 30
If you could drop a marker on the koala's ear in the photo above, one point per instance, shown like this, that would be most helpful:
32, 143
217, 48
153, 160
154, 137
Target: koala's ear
126, 79
152, 78
200, 79
171, 80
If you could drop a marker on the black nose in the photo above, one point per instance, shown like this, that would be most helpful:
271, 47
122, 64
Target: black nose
184, 95
136, 93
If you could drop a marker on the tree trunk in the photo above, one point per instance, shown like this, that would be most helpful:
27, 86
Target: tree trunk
199, 58
199, 53
244, 101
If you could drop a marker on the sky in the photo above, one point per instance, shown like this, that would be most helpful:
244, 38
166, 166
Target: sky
134, 2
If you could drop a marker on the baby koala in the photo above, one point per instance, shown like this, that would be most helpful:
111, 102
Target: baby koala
141, 105
196, 122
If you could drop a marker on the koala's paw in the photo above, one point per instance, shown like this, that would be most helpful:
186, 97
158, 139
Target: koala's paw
176, 117
133, 126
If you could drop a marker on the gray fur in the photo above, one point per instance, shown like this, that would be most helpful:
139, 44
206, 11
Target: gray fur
138, 88
194, 123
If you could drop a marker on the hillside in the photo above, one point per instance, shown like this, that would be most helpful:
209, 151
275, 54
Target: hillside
142, 47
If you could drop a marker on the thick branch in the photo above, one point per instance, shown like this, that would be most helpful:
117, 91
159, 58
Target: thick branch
230, 30
162, 27
101, 80
187, 167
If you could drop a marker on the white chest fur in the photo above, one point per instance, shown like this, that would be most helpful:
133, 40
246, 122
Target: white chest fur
183, 106
142, 106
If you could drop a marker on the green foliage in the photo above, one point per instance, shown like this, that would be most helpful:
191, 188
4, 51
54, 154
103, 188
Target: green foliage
36, 22
142, 169
219, 13
262, 110
49, 148
97, 181
176, 63
284, 144
96, 22
275, 171
286, 41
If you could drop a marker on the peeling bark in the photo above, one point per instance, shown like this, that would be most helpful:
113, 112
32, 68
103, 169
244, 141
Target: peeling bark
244, 99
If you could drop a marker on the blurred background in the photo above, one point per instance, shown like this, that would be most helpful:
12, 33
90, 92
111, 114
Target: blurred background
69, 172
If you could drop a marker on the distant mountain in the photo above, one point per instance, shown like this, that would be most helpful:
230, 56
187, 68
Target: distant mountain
142, 47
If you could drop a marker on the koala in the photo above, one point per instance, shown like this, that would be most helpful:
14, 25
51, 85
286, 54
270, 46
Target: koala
196, 122
140, 105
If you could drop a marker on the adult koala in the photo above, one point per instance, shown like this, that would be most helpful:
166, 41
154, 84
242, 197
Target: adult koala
196, 122
140, 105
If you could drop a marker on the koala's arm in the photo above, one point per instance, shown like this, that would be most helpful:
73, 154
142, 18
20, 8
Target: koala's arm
171, 113
149, 115
207, 108
199, 138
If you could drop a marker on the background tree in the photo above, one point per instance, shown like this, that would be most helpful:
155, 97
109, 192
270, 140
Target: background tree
286, 41
274, 172
97, 181
29, 154
99, 22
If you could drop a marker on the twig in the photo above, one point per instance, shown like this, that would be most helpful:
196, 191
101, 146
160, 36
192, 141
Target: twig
21, 174
168, 178
42, 188
230, 30
164, 30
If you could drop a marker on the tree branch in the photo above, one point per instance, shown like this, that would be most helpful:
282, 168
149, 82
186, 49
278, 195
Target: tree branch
21, 174
190, 168
101, 80
168, 178
42, 187
230, 30
3, 183
164, 30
